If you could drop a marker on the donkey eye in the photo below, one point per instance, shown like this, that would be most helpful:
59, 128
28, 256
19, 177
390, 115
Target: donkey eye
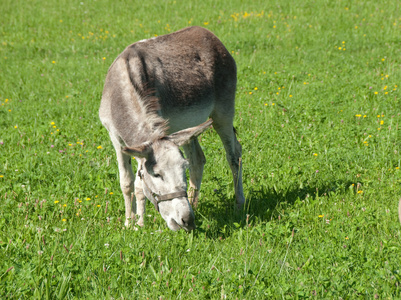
158, 176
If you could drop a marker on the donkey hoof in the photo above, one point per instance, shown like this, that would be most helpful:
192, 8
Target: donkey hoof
240, 205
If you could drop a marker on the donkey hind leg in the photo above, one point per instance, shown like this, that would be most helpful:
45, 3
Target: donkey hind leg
126, 181
234, 157
197, 160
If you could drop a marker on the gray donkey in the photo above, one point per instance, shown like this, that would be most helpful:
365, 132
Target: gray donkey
156, 95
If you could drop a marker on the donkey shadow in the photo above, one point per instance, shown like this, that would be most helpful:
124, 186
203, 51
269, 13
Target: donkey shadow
262, 205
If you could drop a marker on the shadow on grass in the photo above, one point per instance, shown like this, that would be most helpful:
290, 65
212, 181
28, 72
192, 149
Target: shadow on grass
216, 216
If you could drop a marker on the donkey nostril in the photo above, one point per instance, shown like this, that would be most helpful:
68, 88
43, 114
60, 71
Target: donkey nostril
188, 224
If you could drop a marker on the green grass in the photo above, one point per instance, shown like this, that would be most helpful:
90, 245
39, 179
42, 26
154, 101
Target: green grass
318, 116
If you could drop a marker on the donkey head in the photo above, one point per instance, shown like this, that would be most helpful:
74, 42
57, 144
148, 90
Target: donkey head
162, 170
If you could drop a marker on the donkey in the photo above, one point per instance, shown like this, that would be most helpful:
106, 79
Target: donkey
156, 95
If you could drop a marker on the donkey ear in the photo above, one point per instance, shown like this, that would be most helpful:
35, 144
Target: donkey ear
184, 136
141, 151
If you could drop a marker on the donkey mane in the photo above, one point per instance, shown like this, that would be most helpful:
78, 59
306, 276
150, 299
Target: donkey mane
151, 106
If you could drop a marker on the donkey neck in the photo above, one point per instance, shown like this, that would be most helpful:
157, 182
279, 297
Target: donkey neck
134, 118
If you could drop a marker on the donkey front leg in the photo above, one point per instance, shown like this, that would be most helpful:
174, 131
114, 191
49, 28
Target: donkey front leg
140, 200
197, 160
126, 180
127, 186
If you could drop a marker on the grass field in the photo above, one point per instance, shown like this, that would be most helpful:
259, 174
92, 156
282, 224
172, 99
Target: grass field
318, 116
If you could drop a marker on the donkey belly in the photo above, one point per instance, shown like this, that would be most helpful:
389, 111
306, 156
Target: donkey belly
186, 117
